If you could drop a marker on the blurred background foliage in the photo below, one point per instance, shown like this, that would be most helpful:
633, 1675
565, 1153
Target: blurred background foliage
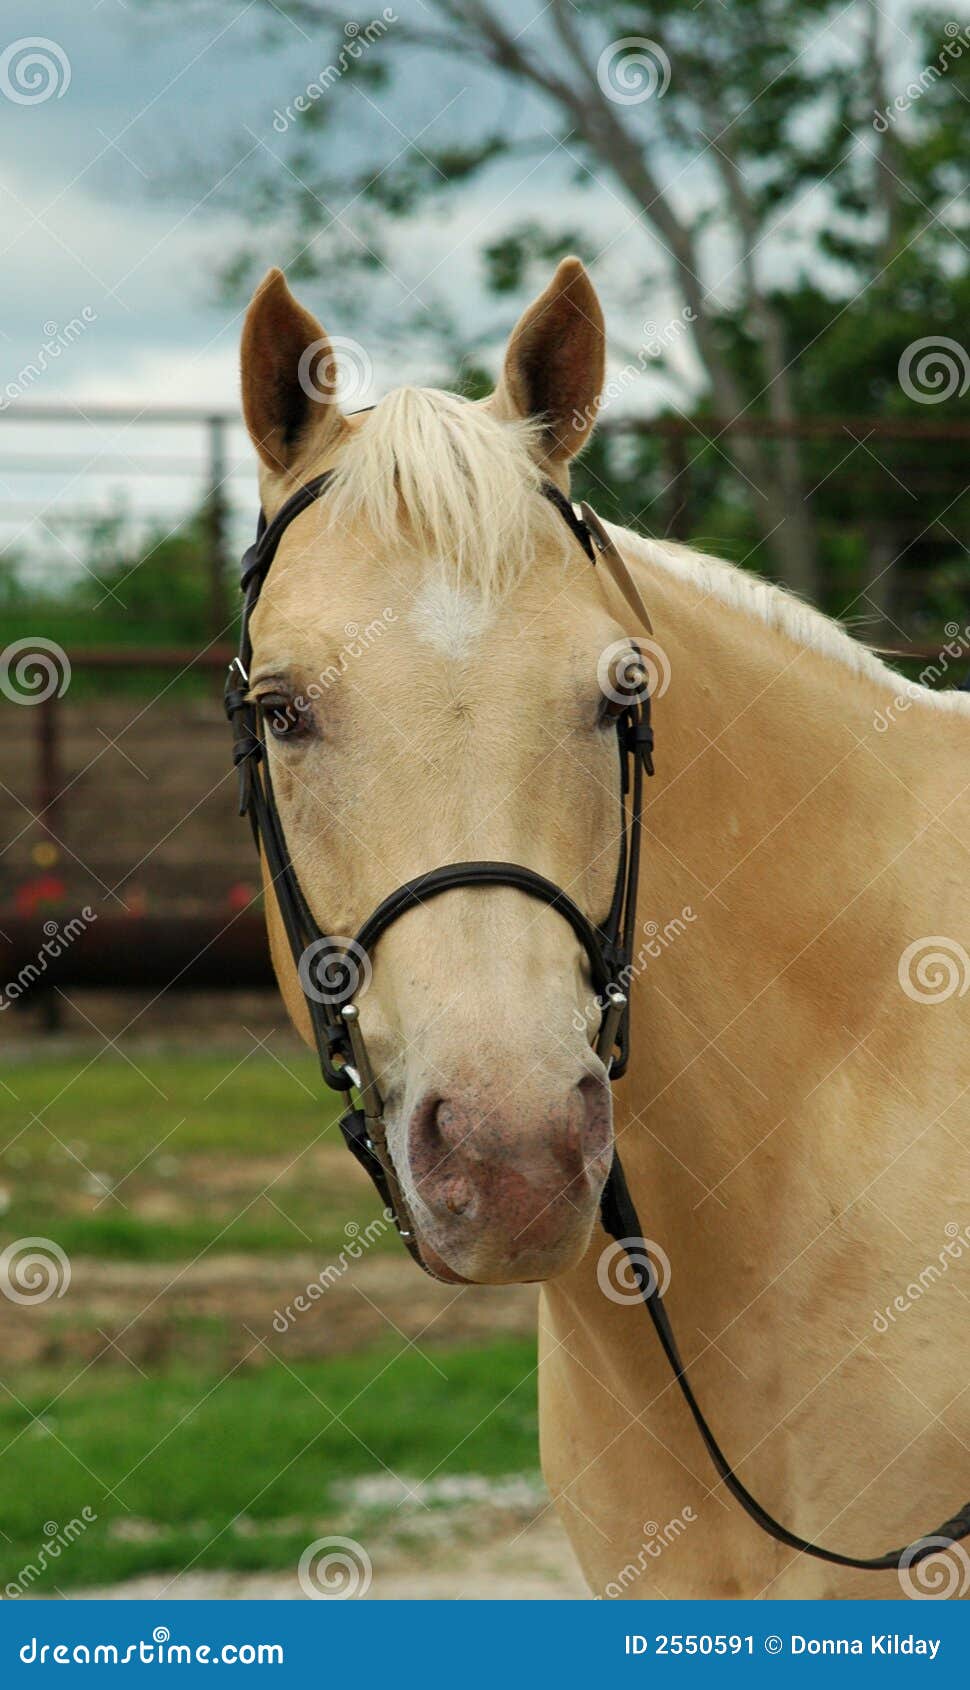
795, 241
794, 220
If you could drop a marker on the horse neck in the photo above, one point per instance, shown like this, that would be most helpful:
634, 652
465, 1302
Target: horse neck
794, 845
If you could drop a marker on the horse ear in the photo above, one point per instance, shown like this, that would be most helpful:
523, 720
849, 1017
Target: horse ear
555, 362
288, 377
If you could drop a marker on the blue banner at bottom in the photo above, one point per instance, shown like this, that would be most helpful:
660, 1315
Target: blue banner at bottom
485, 1643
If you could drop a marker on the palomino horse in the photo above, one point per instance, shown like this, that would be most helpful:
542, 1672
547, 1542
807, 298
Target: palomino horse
793, 1120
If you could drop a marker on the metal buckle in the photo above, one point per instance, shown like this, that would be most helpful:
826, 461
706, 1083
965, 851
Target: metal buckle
371, 1104
236, 680
616, 1002
361, 1073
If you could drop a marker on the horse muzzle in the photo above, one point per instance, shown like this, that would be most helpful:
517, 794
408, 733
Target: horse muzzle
506, 1191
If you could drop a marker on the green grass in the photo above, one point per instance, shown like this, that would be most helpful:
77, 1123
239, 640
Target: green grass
246, 1104
175, 1141
244, 1471
218, 1458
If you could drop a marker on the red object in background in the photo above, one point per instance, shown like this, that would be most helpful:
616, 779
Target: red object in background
240, 895
46, 891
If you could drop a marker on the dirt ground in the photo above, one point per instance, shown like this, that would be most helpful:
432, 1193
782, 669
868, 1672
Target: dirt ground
538, 1566
482, 1536
157, 1305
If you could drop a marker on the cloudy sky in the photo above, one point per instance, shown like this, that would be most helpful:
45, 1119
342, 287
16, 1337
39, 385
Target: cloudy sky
125, 131
126, 127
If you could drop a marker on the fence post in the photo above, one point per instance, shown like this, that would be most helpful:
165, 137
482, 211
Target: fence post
48, 773
676, 468
216, 522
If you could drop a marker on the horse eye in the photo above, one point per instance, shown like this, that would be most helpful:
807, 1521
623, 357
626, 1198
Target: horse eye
286, 718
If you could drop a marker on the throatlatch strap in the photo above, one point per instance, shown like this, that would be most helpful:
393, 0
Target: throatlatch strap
621, 1221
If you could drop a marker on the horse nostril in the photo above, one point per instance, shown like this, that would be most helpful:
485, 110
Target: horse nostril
448, 1127
457, 1195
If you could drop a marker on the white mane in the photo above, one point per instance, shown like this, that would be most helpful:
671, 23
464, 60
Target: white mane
790, 615
431, 469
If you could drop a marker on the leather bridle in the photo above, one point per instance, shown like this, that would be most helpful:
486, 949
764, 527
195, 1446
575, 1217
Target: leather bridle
608, 946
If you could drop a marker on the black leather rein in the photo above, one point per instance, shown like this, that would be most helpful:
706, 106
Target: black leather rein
326, 971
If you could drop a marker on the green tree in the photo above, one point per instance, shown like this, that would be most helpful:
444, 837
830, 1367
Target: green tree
809, 239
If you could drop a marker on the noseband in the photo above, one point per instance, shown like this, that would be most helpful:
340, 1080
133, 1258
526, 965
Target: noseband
608, 946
